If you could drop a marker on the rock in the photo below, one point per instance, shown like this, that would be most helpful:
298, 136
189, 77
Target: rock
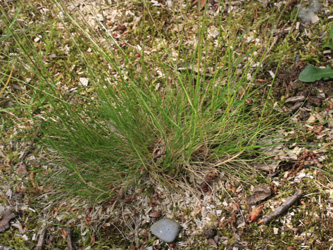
165, 229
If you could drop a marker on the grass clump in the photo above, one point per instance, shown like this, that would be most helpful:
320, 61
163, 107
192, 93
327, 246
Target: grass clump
144, 114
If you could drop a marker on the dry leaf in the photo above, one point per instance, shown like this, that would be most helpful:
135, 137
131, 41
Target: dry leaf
156, 214
6, 217
202, 2
21, 170
260, 193
256, 212
92, 242
212, 243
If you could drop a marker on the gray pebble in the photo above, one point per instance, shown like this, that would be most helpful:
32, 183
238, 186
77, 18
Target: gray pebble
165, 229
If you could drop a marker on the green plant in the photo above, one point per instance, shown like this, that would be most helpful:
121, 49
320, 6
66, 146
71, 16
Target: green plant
312, 73
131, 124
330, 44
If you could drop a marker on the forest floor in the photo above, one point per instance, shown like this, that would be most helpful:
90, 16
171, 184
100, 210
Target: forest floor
219, 215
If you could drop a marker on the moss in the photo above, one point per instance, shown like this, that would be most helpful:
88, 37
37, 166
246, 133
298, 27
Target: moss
10, 239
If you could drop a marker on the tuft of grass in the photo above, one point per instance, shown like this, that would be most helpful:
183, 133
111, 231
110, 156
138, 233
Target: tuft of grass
145, 115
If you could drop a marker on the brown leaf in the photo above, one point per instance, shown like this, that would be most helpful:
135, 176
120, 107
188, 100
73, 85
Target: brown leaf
202, 2
21, 170
120, 27
256, 212
155, 214
260, 193
6, 217
92, 242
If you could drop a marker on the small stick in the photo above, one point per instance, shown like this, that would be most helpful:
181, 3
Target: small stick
69, 239
281, 209
41, 239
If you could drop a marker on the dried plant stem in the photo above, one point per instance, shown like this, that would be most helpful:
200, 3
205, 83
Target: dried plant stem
281, 209
69, 239
40, 242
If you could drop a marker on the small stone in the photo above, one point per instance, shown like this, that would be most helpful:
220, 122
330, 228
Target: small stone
84, 81
210, 233
165, 229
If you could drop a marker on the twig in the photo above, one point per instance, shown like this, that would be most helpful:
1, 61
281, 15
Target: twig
281, 209
10, 75
69, 239
40, 242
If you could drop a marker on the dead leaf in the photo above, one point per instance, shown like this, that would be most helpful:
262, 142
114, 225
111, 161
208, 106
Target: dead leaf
260, 193
212, 243
202, 3
256, 212
21, 170
156, 214
6, 217
92, 242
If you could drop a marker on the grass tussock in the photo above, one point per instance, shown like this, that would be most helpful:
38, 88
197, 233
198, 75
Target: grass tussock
157, 115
